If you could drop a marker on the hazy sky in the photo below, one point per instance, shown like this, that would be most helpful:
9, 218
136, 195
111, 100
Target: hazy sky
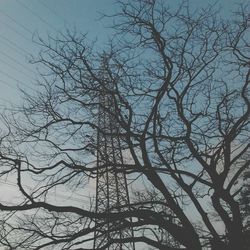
21, 19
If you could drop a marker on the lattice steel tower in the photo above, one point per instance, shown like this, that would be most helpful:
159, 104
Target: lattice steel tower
111, 187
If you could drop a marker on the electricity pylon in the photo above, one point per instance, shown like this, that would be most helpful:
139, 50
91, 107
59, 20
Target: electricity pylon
111, 187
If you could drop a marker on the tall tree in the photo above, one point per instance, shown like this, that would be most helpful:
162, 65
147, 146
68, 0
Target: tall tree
244, 200
180, 89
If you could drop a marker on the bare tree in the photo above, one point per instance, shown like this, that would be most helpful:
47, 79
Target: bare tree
180, 82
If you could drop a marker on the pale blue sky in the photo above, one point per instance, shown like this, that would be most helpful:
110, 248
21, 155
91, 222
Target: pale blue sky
20, 18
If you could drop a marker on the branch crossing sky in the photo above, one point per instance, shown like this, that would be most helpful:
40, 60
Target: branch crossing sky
22, 20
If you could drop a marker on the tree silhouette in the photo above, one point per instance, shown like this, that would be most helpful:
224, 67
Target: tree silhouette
180, 88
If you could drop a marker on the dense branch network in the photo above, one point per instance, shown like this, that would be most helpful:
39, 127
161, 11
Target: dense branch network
180, 85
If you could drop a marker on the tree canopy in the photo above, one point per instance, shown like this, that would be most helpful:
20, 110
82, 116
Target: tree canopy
179, 81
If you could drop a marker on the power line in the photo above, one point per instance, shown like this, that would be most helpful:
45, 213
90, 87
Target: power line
13, 48
52, 11
9, 183
17, 32
20, 71
8, 41
17, 62
22, 51
18, 23
14, 60
7, 84
5, 107
13, 78
35, 14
